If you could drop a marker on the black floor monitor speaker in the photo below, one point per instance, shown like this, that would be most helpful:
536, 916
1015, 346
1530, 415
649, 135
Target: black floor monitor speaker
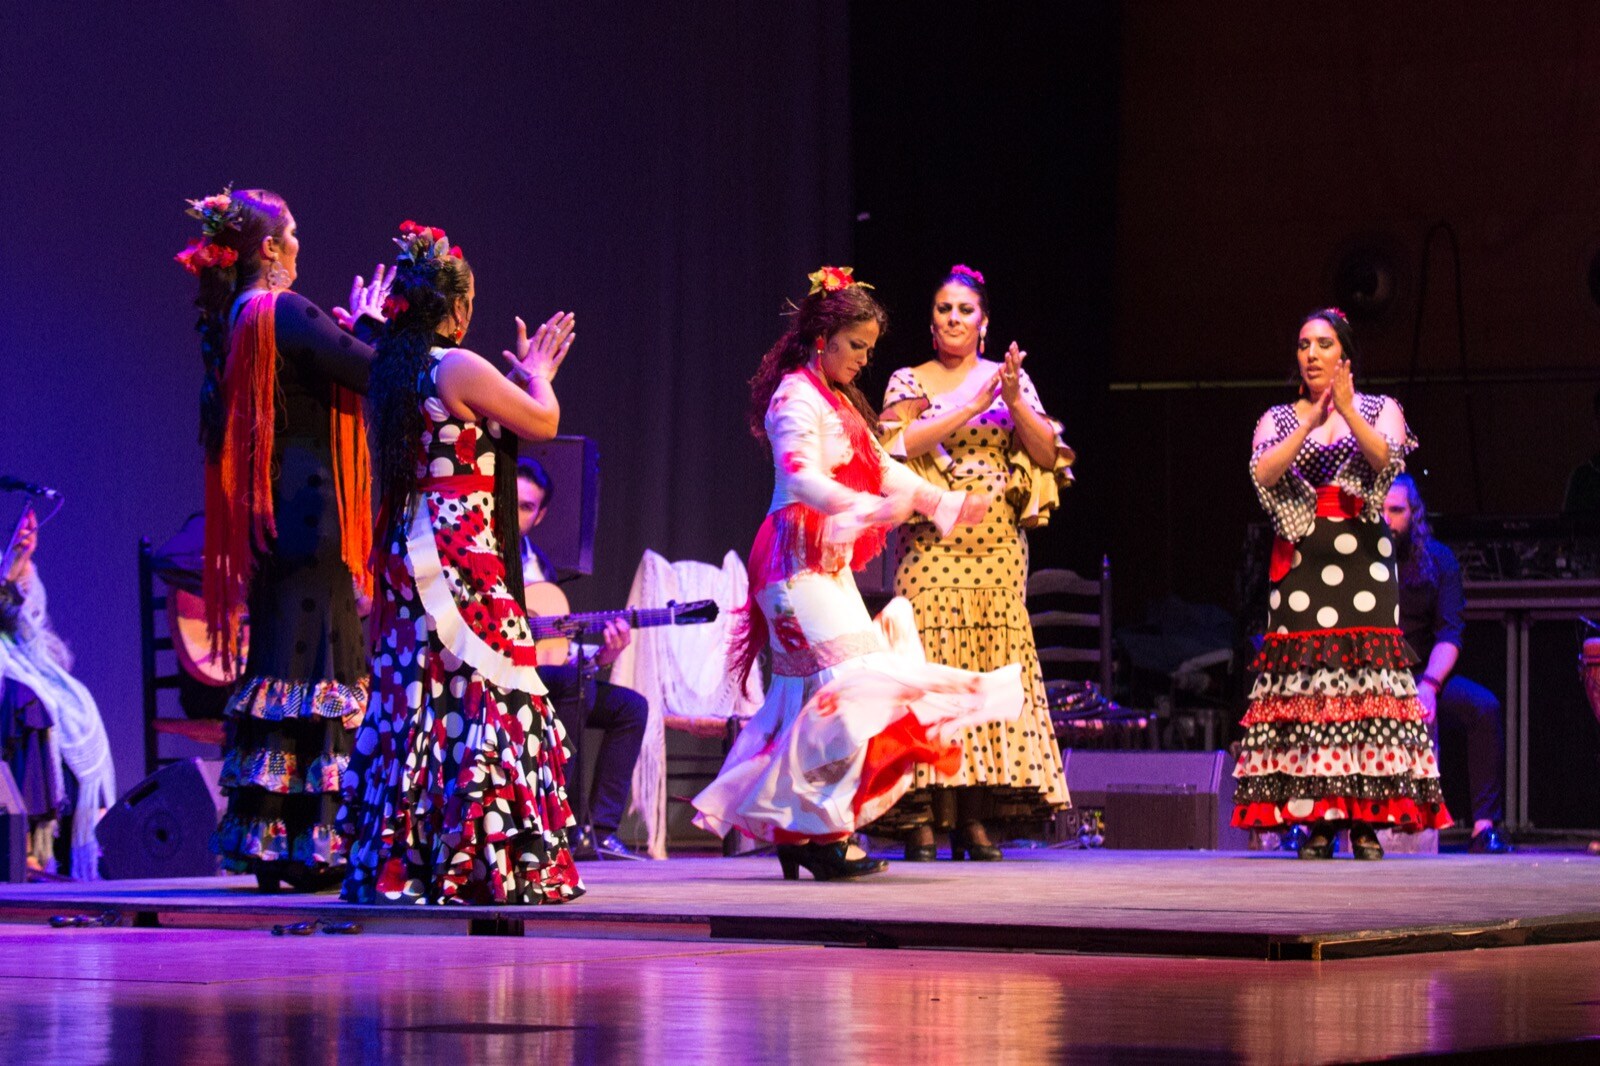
162, 827
567, 533
1158, 799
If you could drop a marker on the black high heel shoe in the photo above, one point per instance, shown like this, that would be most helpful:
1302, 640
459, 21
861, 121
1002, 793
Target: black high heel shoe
1318, 844
1364, 842
920, 846
270, 874
826, 862
961, 846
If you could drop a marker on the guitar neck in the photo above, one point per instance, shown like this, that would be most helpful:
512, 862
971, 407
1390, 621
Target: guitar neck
595, 621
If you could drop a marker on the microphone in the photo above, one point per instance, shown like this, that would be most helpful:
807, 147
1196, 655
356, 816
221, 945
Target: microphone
13, 484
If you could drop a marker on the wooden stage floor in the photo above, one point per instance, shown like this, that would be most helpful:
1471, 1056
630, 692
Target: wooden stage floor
1223, 905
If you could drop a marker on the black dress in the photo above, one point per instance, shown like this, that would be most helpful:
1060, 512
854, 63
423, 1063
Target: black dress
304, 688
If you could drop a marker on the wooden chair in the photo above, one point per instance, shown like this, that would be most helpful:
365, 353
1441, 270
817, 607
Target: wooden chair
1065, 648
158, 662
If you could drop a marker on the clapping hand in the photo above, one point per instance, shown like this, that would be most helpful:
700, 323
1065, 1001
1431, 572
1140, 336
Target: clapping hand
1343, 390
541, 355
1011, 375
366, 299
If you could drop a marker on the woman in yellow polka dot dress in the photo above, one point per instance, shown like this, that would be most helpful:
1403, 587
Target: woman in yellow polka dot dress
980, 428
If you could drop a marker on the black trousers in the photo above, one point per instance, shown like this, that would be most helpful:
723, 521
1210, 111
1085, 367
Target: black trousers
1469, 709
620, 714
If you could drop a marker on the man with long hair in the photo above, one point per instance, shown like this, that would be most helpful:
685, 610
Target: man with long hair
1431, 603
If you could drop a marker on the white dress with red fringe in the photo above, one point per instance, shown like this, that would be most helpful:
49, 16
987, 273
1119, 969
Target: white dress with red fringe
853, 705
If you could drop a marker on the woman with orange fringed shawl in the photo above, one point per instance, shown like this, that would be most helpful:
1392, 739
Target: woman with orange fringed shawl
288, 532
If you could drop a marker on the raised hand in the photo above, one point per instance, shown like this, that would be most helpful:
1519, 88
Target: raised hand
541, 355
1321, 411
1011, 375
1343, 390
366, 299
23, 548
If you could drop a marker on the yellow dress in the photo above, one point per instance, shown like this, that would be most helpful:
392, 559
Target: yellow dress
967, 593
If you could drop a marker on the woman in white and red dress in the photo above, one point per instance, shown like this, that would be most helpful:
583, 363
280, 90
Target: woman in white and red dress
852, 705
1335, 736
456, 792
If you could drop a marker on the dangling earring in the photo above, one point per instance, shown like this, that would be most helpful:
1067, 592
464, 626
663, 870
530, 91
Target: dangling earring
983, 336
822, 345
459, 334
277, 277
933, 338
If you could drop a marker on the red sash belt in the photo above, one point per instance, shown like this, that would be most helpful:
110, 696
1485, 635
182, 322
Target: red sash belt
1332, 502
457, 484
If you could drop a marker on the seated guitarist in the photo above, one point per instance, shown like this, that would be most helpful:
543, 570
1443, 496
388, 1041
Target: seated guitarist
619, 713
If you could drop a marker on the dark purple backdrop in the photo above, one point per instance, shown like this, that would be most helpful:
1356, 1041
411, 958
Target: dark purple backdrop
669, 173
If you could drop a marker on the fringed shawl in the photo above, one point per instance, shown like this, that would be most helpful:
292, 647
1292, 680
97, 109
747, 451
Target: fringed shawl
239, 510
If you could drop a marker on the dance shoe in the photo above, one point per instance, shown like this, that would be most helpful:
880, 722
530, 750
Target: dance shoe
1488, 842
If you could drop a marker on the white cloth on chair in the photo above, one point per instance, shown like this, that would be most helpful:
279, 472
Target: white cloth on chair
681, 670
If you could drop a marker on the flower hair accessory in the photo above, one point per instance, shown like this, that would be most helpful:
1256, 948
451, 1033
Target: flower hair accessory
419, 244
962, 268
833, 279
202, 254
216, 213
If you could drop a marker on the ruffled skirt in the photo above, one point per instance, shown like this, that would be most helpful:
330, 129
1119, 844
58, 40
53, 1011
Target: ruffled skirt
283, 764
456, 792
852, 707
1334, 731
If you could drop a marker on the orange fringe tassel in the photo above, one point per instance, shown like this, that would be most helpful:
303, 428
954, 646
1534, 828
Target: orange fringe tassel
240, 519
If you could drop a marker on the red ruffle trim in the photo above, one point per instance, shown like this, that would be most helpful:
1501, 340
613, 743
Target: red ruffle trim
1404, 814
1332, 709
1340, 649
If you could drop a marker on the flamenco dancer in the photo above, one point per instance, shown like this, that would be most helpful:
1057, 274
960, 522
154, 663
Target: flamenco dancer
1335, 735
288, 532
983, 429
456, 793
852, 704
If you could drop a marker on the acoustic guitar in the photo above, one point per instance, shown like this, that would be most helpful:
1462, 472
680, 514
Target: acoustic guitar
191, 640
554, 629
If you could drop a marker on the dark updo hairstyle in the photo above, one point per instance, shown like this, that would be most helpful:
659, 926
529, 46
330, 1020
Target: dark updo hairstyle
1341, 329
820, 315
425, 290
968, 278
257, 214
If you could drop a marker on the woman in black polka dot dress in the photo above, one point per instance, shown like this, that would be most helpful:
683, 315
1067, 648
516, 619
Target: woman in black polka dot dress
288, 532
1334, 733
456, 792
983, 429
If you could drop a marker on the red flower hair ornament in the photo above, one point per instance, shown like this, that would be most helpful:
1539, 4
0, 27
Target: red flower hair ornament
422, 243
962, 268
202, 254
833, 279
216, 213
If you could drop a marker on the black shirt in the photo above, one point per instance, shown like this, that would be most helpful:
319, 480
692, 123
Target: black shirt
1431, 613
